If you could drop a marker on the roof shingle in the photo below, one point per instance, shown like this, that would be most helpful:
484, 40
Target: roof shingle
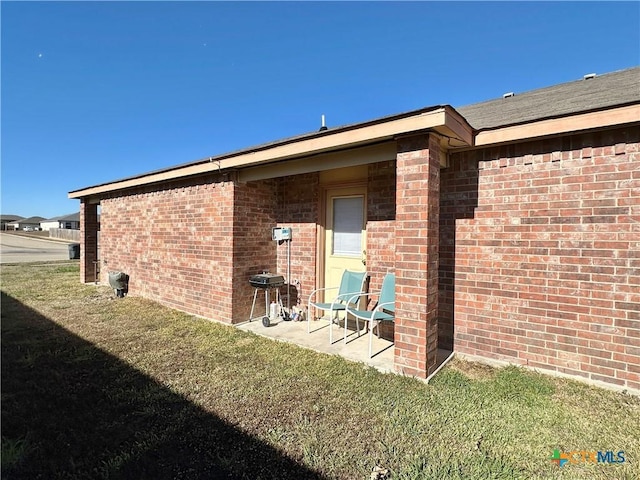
608, 90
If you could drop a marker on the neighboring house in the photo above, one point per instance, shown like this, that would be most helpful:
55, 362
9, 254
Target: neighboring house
71, 222
513, 226
7, 221
31, 223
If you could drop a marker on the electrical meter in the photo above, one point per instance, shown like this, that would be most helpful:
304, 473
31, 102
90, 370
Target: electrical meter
281, 233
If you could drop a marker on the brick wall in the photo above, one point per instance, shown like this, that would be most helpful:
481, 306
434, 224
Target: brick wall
297, 207
253, 249
547, 264
381, 216
458, 199
381, 230
175, 243
194, 246
417, 243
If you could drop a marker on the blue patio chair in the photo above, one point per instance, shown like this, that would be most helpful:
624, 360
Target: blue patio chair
352, 283
383, 312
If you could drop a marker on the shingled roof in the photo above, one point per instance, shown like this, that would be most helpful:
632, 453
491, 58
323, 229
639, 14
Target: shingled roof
30, 220
10, 218
590, 94
72, 217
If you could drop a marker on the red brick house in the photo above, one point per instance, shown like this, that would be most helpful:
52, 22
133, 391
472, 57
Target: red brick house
513, 226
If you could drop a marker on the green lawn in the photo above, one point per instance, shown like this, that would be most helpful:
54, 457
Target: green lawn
98, 387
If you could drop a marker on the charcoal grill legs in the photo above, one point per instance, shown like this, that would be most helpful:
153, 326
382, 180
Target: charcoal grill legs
265, 319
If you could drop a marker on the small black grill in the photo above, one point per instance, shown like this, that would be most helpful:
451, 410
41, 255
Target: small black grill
266, 280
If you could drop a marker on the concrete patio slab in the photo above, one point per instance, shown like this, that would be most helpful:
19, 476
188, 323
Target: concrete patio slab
356, 349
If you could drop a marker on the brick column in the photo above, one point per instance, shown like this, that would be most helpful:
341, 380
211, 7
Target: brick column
88, 240
417, 240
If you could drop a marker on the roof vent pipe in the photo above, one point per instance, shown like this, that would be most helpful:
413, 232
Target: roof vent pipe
589, 76
508, 95
323, 127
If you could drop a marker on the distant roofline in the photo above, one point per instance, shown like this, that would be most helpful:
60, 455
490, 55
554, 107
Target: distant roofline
34, 219
71, 217
10, 218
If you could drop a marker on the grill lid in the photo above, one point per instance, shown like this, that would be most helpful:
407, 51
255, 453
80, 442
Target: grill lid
266, 280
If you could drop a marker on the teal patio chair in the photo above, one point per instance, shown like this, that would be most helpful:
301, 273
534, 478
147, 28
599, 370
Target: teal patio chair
383, 312
352, 283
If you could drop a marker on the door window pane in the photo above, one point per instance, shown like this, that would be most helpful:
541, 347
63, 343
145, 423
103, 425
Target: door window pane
348, 218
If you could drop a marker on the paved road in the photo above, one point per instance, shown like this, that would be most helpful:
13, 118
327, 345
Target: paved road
20, 249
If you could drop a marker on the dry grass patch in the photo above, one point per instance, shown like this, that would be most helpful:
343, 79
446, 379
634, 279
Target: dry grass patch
472, 370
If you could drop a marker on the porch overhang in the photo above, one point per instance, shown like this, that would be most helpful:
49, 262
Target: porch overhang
444, 120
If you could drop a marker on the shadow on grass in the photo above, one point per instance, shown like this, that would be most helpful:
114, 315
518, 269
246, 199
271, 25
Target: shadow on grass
79, 412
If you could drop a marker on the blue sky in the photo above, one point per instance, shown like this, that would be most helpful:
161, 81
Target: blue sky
97, 91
